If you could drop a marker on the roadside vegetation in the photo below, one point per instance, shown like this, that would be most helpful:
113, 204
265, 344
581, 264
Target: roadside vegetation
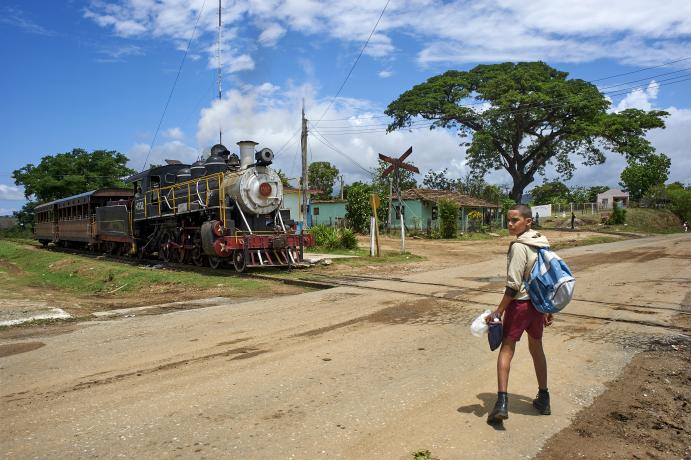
636, 220
26, 266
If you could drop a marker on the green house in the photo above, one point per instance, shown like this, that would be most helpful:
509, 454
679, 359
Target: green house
328, 212
420, 210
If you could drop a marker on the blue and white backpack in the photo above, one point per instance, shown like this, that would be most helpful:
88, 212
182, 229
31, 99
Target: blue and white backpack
550, 285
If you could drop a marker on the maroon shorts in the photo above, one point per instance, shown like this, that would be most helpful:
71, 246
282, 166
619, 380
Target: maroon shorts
521, 316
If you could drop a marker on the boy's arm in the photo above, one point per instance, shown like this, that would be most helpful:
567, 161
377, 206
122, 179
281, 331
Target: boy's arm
505, 301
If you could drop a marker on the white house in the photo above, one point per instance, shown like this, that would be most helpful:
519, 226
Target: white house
606, 200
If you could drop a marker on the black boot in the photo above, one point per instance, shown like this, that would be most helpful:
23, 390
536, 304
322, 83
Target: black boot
501, 409
541, 402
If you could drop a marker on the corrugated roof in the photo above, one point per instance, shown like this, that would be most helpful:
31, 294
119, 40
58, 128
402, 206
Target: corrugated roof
433, 195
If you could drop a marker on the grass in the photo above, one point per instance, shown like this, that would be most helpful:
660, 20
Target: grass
25, 265
584, 242
638, 220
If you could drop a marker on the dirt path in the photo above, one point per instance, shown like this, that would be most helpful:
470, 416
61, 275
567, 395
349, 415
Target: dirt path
351, 372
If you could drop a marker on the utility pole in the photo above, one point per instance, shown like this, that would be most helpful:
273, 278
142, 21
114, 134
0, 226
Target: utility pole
341, 187
218, 51
303, 141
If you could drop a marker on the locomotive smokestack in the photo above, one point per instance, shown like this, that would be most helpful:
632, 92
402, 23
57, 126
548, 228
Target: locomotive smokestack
246, 153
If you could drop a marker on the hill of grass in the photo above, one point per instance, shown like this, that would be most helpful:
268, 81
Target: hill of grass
638, 220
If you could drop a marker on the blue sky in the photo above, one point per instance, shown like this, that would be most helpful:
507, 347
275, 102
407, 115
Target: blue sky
96, 74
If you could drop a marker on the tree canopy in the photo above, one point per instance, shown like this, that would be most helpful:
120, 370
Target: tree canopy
642, 174
523, 117
322, 175
70, 173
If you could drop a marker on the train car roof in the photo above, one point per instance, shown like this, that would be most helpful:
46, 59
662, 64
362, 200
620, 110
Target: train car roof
157, 171
83, 198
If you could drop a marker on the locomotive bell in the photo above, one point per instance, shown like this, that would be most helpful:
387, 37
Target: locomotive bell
264, 157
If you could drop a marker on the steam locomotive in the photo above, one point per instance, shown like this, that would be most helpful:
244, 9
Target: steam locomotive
224, 208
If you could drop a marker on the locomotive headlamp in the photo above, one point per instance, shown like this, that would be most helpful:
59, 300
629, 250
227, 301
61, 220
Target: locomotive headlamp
265, 189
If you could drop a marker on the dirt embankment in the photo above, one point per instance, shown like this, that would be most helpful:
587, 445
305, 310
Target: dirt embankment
645, 412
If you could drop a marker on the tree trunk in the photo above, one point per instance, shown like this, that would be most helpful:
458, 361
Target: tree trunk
519, 184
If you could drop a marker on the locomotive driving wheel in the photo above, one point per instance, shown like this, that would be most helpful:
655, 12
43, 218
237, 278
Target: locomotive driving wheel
215, 262
198, 256
239, 261
166, 251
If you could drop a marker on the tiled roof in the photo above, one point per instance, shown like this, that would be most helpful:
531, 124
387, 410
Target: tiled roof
432, 195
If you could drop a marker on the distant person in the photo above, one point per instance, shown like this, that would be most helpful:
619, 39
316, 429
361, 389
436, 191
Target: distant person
686, 226
519, 314
573, 219
537, 219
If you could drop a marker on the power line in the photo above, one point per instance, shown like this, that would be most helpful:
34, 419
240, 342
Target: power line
356, 61
643, 70
177, 77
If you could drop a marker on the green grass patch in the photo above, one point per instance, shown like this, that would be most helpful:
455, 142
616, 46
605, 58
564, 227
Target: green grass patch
638, 220
584, 242
33, 267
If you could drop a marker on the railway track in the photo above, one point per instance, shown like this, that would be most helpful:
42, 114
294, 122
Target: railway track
321, 281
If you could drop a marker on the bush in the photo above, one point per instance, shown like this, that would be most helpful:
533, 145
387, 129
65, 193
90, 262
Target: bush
618, 216
448, 216
347, 238
332, 238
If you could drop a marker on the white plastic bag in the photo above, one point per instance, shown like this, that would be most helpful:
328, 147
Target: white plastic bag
479, 326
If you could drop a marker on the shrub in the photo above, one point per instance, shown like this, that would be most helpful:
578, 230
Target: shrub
448, 216
618, 216
347, 238
332, 238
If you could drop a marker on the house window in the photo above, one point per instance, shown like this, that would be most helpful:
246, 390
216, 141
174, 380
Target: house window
604, 202
316, 211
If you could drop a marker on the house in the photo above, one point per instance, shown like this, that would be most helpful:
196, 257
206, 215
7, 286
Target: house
292, 201
606, 200
420, 209
328, 212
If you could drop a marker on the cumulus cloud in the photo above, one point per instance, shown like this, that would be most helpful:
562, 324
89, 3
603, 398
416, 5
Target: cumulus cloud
385, 73
174, 133
639, 98
350, 135
11, 192
271, 35
454, 32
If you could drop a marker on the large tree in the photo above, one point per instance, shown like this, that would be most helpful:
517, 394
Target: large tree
71, 173
524, 116
643, 173
322, 175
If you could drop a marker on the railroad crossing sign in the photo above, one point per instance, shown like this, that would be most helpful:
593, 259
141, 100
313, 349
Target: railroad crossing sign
396, 164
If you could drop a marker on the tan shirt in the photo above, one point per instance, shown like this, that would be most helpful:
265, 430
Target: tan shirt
520, 261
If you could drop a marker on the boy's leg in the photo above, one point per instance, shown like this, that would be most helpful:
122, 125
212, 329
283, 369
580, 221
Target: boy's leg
501, 408
508, 348
539, 361
541, 402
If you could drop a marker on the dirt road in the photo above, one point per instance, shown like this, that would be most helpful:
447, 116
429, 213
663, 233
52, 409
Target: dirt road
378, 369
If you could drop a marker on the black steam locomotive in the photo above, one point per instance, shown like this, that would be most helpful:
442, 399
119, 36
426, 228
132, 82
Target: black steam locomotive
224, 208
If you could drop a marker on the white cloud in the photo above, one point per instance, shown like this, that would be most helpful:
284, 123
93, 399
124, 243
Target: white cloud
352, 142
11, 192
174, 133
271, 35
385, 73
17, 18
639, 98
454, 32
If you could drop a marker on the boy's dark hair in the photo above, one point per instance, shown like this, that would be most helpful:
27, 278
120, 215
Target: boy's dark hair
523, 209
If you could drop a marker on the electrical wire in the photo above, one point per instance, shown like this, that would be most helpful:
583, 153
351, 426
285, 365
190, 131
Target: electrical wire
355, 63
172, 90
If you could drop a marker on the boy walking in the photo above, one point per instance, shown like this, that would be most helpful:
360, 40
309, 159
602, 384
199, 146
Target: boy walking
518, 313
